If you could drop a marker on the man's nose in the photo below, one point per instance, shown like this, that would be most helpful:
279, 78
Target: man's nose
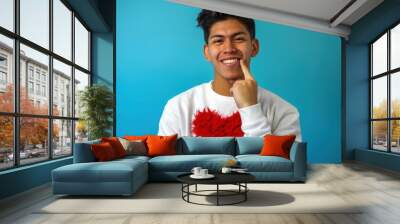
229, 46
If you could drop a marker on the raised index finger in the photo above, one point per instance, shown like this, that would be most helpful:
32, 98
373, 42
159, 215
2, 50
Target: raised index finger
246, 71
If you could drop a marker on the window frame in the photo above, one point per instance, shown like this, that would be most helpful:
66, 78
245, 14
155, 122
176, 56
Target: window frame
388, 74
16, 115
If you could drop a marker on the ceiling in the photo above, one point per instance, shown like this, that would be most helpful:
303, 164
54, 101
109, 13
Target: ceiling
327, 16
98, 15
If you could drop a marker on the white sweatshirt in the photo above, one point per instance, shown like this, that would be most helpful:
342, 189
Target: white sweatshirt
200, 111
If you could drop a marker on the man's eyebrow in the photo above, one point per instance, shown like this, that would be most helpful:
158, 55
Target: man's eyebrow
221, 36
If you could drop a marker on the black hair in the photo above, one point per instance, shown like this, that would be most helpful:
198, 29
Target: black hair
207, 18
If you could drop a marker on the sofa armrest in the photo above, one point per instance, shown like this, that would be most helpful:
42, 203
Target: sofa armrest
298, 155
83, 152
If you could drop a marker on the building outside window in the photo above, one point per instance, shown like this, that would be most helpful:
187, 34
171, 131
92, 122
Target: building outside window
34, 77
37, 75
30, 87
43, 78
3, 61
43, 90
3, 71
38, 89
385, 91
3, 77
30, 72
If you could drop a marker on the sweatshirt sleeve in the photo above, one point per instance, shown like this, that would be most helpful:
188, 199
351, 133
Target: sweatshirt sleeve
254, 122
168, 124
289, 124
286, 121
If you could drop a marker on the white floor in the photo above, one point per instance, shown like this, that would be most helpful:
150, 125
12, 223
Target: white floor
377, 189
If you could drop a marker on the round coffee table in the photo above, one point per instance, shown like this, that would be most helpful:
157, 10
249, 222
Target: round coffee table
238, 179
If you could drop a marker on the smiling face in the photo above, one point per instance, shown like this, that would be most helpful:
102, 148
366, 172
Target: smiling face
229, 41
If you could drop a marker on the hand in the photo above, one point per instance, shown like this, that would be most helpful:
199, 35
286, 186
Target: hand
245, 91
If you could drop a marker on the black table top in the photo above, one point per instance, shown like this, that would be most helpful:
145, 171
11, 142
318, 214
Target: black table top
220, 178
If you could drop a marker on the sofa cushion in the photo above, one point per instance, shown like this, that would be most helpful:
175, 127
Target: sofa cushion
185, 163
249, 145
277, 145
116, 145
257, 163
206, 145
161, 145
103, 151
111, 171
135, 147
131, 158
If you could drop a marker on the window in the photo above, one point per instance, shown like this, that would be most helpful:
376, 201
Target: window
7, 14
81, 81
3, 61
62, 74
30, 72
35, 21
43, 90
81, 45
37, 74
3, 72
30, 87
6, 74
45, 131
37, 89
385, 91
62, 30
3, 78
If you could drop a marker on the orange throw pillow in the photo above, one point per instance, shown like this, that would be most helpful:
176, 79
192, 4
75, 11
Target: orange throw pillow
116, 145
277, 145
161, 145
103, 151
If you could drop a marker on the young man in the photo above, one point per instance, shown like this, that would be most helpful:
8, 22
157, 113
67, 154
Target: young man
232, 104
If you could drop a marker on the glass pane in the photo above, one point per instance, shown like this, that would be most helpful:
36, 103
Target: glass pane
62, 29
6, 74
395, 94
7, 14
62, 89
81, 131
379, 100
62, 141
379, 55
379, 135
35, 21
395, 136
81, 81
81, 45
395, 47
34, 96
33, 140
6, 142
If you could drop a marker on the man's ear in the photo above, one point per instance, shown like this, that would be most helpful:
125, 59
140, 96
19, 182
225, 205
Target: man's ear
205, 51
255, 47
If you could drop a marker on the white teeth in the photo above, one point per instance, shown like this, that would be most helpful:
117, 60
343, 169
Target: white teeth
230, 61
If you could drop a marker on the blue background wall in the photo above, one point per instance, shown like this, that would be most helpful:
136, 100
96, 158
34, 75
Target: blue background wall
357, 73
159, 54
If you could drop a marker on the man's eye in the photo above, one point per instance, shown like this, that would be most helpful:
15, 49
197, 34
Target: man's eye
239, 39
217, 41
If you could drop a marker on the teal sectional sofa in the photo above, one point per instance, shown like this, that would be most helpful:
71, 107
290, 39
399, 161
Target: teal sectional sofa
125, 176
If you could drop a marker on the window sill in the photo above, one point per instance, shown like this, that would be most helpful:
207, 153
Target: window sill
385, 160
12, 170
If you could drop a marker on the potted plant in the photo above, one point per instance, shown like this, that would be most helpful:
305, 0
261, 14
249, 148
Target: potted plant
97, 105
